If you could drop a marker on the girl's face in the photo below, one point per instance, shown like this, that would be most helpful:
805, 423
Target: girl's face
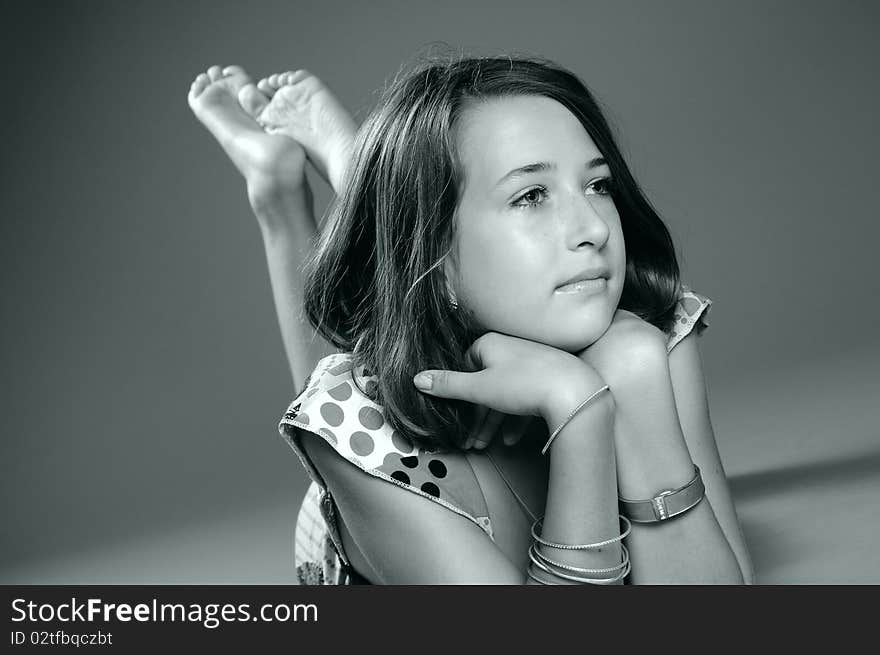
535, 214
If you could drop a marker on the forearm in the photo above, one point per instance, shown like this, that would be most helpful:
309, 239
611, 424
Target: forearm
287, 224
652, 455
692, 405
581, 506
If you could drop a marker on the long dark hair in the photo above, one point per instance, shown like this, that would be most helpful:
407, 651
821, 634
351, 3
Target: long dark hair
376, 286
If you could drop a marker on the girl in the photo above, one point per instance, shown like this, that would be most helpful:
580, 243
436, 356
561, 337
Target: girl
490, 259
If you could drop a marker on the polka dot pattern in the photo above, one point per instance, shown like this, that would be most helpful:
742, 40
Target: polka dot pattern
341, 391
339, 369
362, 443
371, 418
437, 468
431, 488
690, 314
400, 443
339, 408
333, 414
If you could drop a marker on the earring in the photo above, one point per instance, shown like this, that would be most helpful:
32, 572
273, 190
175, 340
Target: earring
453, 303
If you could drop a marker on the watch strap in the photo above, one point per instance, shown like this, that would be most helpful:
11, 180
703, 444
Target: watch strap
666, 504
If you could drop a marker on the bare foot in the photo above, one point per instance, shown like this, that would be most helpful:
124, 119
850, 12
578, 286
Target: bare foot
218, 98
300, 106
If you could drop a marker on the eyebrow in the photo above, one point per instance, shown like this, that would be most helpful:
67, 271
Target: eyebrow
542, 166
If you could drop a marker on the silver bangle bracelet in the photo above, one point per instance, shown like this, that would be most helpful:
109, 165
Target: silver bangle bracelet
598, 544
568, 418
577, 578
534, 550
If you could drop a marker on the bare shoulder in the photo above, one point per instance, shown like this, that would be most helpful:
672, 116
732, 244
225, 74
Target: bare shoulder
403, 537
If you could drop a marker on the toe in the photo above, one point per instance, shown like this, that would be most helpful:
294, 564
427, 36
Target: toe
199, 85
234, 70
251, 100
300, 75
215, 73
264, 86
273, 79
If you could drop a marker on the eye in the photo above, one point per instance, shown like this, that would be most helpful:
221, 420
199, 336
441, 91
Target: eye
602, 186
530, 198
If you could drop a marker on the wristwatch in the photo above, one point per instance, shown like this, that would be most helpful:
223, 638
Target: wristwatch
667, 504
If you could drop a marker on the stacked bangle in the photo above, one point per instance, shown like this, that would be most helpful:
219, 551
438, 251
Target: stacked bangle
553, 568
567, 571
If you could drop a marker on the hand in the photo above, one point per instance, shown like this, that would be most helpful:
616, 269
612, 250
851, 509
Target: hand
515, 376
488, 423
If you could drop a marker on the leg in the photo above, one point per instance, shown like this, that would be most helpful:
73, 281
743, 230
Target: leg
273, 166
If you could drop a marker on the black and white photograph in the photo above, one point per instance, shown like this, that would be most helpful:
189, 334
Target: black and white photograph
422, 293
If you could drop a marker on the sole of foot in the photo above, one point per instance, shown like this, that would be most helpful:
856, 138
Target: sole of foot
299, 105
221, 98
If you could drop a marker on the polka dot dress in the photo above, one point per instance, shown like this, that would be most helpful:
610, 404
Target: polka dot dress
337, 405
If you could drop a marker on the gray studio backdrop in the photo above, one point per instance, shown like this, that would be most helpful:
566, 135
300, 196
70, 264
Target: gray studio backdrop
143, 371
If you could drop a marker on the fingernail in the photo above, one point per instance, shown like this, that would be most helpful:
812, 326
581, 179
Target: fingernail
423, 380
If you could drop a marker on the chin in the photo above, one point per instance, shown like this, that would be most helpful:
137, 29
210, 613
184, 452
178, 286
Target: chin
585, 332
576, 341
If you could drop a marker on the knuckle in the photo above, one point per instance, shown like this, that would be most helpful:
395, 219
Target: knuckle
484, 343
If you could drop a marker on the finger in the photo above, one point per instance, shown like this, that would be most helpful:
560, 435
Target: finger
514, 429
490, 425
479, 416
451, 384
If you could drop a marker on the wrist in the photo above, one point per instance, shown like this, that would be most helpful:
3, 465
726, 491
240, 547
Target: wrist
571, 385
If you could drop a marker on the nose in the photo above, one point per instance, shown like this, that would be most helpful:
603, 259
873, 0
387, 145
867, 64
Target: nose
584, 224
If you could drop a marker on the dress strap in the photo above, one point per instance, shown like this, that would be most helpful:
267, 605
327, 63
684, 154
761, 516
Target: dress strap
512, 490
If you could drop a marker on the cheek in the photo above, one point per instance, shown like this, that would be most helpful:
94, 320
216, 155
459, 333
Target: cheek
502, 267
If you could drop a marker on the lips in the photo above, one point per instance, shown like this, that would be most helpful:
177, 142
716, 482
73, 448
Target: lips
586, 274
596, 285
